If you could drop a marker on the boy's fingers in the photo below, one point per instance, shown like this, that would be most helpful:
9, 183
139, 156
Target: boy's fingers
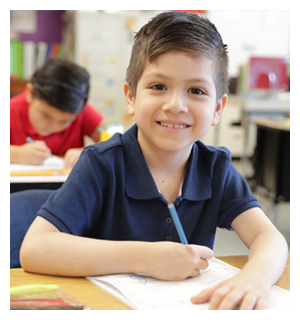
226, 299
203, 264
204, 252
195, 273
203, 296
42, 149
41, 145
260, 304
70, 162
249, 302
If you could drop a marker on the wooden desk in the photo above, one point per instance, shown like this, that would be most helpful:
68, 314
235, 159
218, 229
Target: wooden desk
280, 124
97, 298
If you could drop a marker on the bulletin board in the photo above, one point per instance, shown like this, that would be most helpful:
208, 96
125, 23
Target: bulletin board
103, 45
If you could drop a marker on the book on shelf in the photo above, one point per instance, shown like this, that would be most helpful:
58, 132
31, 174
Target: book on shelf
29, 59
27, 56
16, 56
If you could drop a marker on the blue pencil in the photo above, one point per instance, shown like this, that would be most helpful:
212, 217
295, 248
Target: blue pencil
30, 140
177, 223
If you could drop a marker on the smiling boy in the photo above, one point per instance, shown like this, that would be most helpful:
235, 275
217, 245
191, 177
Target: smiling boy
174, 106
111, 215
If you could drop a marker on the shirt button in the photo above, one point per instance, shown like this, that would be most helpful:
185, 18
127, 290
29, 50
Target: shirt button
169, 220
168, 238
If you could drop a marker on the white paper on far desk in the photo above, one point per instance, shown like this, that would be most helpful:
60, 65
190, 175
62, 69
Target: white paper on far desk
51, 163
146, 293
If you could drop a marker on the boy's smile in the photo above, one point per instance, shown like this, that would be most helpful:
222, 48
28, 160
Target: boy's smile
173, 126
175, 102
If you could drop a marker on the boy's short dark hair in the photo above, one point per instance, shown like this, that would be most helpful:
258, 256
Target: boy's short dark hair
62, 84
182, 31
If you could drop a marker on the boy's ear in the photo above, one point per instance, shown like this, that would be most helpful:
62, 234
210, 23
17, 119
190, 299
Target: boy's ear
129, 99
29, 92
219, 109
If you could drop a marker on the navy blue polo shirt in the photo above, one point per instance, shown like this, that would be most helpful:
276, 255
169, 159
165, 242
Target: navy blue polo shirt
110, 194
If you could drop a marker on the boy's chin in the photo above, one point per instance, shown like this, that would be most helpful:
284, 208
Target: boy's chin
44, 133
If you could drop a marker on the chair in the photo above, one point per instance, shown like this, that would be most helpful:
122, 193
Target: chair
24, 206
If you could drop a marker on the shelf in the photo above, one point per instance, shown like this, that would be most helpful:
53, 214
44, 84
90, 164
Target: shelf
17, 86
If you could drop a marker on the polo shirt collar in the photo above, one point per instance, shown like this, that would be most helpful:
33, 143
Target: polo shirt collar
139, 181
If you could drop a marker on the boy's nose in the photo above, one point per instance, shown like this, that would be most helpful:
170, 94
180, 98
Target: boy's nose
176, 103
50, 126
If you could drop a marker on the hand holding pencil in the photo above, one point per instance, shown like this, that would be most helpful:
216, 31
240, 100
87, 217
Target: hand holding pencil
171, 260
34, 152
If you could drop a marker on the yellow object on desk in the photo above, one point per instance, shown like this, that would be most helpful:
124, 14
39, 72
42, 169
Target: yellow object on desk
109, 129
65, 171
43, 297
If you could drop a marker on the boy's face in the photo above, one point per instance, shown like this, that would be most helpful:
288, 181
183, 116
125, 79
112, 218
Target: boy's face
175, 102
45, 118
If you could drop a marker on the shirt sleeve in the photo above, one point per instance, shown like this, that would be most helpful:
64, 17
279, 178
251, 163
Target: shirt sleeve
236, 199
91, 120
75, 207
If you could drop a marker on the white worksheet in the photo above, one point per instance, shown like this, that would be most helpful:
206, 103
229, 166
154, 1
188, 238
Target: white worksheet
51, 163
145, 293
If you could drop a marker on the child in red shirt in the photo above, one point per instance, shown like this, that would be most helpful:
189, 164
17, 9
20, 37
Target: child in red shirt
53, 112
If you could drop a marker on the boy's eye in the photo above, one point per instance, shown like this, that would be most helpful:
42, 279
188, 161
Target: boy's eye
196, 91
64, 122
158, 87
46, 116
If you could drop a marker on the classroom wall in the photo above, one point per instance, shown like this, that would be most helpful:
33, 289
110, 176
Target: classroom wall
252, 33
102, 45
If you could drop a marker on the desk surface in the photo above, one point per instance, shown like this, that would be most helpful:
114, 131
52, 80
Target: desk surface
277, 124
97, 298
248, 104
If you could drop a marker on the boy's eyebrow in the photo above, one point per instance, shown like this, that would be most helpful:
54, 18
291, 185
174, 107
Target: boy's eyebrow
156, 74
163, 76
200, 80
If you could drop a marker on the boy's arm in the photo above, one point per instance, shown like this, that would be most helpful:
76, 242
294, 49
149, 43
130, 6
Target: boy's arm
73, 154
30, 153
96, 134
47, 250
250, 289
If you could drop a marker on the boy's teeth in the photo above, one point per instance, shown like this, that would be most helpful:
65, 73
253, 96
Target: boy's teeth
177, 126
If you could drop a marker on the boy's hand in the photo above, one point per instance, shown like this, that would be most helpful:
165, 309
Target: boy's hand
174, 261
34, 153
240, 292
72, 156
